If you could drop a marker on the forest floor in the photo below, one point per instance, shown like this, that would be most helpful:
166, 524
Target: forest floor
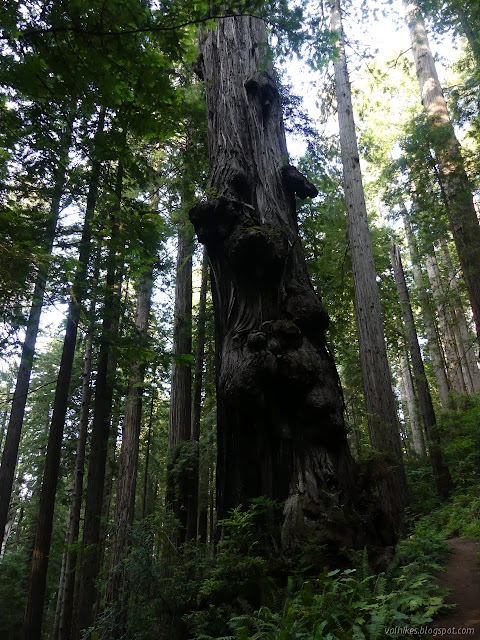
463, 577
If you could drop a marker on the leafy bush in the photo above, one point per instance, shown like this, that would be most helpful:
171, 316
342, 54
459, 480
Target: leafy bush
13, 582
460, 516
335, 605
460, 431
355, 603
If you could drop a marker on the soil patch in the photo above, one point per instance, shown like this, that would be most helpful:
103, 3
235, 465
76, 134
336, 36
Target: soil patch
463, 576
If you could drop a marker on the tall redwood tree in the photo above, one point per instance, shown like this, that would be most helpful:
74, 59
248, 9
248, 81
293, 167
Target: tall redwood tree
279, 404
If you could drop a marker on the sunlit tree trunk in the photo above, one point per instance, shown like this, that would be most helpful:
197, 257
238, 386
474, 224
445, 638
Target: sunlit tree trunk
181, 454
462, 335
128, 462
198, 380
279, 407
440, 471
458, 191
413, 410
448, 338
433, 344
145, 511
379, 397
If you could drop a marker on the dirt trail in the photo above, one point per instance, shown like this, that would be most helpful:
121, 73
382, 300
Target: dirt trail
463, 576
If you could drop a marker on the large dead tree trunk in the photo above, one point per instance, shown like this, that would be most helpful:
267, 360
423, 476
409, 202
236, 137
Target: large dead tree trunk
458, 191
377, 385
279, 404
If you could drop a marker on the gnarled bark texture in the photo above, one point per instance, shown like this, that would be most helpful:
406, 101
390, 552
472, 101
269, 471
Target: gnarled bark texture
280, 410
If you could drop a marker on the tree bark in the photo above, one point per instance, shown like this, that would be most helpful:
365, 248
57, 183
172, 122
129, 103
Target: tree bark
36, 593
181, 454
433, 344
128, 462
279, 405
440, 471
102, 410
379, 397
14, 429
448, 338
460, 326
198, 383
64, 609
147, 455
413, 411
458, 191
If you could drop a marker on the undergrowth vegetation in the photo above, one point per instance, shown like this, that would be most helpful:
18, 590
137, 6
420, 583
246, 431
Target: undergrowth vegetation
245, 592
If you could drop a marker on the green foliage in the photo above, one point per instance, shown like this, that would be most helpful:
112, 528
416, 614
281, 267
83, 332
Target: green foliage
13, 585
354, 603
460, 431
459, 516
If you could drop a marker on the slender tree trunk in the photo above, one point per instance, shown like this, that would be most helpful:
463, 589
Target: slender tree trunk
147, 455
405, 408
128, 463
104, 386
458, 191
4, 422
198, 381
433, 344
38, 574
413, 411
448, 338
64, 610
21, 513
279, 406
440, 471
14, 429
462, 334
379, 397
67, 585
181, 456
